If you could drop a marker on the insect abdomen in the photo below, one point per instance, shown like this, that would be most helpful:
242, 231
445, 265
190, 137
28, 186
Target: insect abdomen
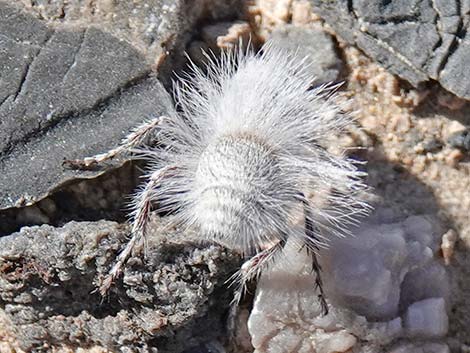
235, 178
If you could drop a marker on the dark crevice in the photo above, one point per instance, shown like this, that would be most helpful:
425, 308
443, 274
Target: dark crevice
437, 45
5, 99
445, 58
351, 10
25, 74
23, 77
460, 33
462, 29
437, 22
98, 108
397, 20
75, 55
71, 201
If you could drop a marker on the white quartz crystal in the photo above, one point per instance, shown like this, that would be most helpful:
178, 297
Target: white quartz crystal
384, 285
421, 348
427, 318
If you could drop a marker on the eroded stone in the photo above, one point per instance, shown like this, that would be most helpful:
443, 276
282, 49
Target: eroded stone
417, 40
174, 300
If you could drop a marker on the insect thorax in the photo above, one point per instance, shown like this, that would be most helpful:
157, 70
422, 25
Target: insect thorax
240, 192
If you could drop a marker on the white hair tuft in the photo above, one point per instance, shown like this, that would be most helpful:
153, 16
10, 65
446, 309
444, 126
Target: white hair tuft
248, 144
244, 157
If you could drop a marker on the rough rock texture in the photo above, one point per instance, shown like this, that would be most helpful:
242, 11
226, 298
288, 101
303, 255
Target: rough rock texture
387, 266
65, 93
385, 286
325, 65
417, 39
157, 28
172, 301
75, 77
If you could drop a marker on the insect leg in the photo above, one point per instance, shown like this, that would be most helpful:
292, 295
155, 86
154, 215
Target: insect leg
136, 138
313, 241
249, 271
252, 268
142, 212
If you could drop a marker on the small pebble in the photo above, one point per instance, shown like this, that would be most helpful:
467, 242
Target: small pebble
460, 140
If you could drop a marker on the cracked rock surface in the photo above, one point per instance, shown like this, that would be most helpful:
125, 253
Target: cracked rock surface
174, 300
76, 76
419, 40
157, 28
65, 93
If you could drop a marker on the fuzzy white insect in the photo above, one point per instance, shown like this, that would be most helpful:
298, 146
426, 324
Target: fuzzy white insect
243, 155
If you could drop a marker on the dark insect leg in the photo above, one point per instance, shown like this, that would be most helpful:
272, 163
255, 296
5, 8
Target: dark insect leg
313, 241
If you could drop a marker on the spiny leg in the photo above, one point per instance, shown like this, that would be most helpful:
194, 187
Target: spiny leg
139, 226
136, 138
313, 241
252, 268
249, 271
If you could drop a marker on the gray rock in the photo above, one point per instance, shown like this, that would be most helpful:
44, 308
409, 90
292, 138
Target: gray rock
64, 94
460, 140
160, 29
76, 76
427, 318
315, 44
57, 75
417, 40
173, 300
